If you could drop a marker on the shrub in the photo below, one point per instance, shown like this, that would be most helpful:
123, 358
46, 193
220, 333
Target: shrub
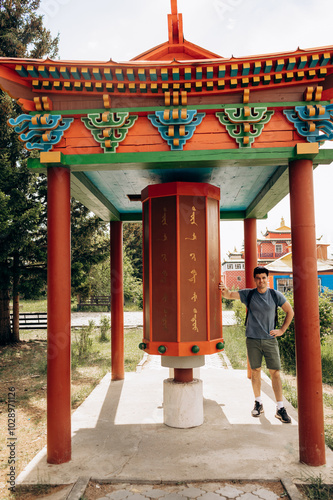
83, 345
228, 303
327, 360
240, 312
105, 326
287, 341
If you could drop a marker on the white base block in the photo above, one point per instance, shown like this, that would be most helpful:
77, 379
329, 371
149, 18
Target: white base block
183, 361
183, 403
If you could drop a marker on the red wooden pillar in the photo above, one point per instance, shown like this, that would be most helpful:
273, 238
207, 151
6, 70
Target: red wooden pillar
307, 329
251, 252
59, 317
251, 259
117, 302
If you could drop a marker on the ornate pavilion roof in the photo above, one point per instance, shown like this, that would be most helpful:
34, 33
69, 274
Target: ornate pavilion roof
176, 112
149, 78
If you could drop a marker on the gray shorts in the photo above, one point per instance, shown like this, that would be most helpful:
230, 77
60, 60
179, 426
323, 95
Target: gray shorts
269, 348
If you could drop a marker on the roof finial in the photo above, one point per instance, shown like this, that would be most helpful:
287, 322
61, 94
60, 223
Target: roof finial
175, 25
174, 9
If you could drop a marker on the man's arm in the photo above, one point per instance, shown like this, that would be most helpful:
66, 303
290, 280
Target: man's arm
227, 294
286, 307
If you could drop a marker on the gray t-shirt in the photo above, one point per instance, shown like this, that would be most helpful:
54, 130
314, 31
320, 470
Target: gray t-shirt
261, 312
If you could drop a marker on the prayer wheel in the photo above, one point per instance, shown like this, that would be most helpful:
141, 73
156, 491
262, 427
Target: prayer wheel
181, 255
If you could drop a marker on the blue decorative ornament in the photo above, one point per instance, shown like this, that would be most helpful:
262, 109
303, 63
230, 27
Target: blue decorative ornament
40, 132
176, 131
312, 122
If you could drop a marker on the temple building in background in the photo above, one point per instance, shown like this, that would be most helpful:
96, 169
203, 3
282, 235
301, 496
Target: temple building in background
274, 252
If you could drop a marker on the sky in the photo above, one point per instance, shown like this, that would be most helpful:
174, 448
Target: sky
101, 30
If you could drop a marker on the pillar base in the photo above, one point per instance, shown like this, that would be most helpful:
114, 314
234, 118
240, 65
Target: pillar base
183, 403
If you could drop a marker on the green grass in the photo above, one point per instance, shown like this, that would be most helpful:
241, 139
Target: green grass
41, 306
329, 435
97, 357
315, 489
33, 306
289, 392
24, 365
235, 347
99, 353
327, 360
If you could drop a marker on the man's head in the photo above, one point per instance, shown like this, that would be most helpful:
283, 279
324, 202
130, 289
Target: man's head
260, 275
260, 270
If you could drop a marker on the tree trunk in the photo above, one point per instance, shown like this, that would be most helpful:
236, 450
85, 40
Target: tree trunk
16, 300
5, 330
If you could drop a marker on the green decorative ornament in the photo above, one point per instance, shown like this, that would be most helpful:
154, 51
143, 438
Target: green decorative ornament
142, 346
162, 349
220, 346
195, 349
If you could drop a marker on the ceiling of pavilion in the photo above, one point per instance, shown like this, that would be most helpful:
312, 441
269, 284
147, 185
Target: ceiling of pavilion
237, 184
246, 190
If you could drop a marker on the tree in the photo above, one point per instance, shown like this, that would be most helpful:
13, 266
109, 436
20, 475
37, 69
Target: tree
90, 246
132, 237
22, 35
287, 342
21, 216
98, 282
22, 31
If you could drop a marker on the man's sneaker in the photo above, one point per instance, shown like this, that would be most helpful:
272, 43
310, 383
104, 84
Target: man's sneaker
282, 415
257, 410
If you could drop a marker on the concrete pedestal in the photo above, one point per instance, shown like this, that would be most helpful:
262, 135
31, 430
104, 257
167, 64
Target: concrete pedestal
183, 403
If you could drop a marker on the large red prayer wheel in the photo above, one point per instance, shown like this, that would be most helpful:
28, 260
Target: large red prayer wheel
182, 303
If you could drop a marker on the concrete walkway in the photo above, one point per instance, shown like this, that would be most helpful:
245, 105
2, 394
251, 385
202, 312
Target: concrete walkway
119, 435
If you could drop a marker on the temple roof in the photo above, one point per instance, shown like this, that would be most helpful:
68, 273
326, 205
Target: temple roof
171, 67
284, 265
283, 230
175, 65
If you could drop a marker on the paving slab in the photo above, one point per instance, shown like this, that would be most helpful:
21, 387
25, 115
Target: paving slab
118, 433
269, 490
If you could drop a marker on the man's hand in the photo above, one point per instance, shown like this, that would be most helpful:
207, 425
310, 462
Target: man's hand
276, 333
226, 293
222, 286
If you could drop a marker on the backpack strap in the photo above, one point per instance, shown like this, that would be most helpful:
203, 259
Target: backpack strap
274, 297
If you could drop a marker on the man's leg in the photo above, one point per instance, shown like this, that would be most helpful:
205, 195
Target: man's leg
256, 386
276, 384
281, 412
256, 382
254, 354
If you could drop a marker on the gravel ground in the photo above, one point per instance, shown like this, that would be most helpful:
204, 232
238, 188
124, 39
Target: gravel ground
131, 319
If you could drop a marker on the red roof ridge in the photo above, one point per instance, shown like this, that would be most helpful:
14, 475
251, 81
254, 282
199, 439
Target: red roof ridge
136, 61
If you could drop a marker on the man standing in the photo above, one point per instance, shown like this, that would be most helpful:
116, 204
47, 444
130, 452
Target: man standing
261, 336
